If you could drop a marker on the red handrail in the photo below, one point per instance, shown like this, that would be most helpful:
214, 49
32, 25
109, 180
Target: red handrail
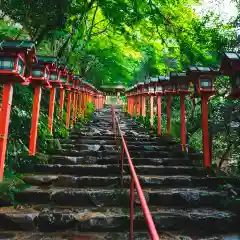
134, 182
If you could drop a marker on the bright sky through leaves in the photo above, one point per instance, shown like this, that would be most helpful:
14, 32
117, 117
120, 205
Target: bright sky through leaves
226, 8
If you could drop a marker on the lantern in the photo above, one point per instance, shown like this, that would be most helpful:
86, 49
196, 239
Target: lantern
14, 57
39, 73
202, 78
230, 66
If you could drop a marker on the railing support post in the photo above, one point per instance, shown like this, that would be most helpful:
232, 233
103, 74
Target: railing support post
35, 116
5, 117
159, 110
205, 137
51, 109
169, 102
122, 162
132, 208
183, 121
61, 102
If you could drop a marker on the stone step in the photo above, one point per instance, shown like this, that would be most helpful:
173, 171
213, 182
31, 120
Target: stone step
102, 146
113, 169
114, 181
58, 159
184, 197
93, 137
75, 235
134, 153
100, 219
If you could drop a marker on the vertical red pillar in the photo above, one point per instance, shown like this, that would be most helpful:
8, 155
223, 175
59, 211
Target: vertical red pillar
206, 147
139, 105
73, 109
35, 116
169, 102
143, 106
51, 108
183, 121
61, 102
151, 111
159, 111
83, 104
68, 116
5, 117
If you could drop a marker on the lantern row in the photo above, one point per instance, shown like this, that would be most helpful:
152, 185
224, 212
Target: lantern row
195, 81
19, 64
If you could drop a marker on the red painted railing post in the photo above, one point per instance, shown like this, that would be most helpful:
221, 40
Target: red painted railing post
183, 121
159, 110
132, 209
61, 102
68, 115
205, 137
5, 117
134, 183
35, 116
151, 111
169, 103
51, 108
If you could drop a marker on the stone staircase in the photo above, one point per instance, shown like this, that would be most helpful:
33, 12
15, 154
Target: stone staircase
78, 195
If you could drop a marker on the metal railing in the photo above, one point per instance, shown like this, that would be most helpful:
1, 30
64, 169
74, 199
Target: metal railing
134, 183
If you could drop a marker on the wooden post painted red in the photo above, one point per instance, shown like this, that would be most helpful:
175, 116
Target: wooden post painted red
61, 102
169, 103
183, 121
159, 111
68, 116
35, 116
151, 111
51, 109
143, 106
5, 117
205, 137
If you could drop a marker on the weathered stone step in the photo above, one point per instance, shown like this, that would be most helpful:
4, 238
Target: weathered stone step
93, 136
58, 159
75, 235
108, 170
134, 153
184, 197
114, 181
132, 147
46, 218
108, 142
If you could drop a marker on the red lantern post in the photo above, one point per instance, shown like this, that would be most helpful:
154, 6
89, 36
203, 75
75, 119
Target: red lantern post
182, 89
64, 75
39, 74
151, 92
14, 57
203, 78
159, 93
169, 91
54, 80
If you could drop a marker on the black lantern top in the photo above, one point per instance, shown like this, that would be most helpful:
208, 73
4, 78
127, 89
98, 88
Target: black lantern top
230, 63
197, 71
